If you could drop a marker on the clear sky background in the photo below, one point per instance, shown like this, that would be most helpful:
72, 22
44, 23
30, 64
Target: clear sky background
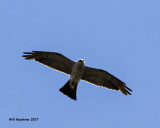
120, 36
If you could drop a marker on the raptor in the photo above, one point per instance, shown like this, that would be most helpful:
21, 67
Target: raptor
77, 71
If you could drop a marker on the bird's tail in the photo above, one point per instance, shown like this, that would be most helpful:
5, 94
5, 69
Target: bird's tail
67, 90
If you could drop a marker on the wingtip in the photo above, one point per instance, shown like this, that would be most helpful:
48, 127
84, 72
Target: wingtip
27, 52
28, 55
125, 90
25, 56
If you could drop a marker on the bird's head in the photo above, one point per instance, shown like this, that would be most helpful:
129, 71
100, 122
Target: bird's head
81, 60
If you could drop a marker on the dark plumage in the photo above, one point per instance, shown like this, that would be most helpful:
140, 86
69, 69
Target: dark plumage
92, 75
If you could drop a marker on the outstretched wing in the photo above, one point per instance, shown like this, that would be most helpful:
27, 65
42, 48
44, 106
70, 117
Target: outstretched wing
102, 78
52, 59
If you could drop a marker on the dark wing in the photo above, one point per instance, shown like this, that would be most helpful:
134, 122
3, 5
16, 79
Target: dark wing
102, 78
52, 59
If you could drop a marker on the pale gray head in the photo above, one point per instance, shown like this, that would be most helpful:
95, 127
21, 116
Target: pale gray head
81, 60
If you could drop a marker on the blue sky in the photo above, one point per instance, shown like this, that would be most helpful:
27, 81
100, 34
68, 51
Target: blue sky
122, 37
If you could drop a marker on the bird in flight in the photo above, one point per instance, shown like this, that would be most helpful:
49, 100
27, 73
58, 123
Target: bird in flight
77, 71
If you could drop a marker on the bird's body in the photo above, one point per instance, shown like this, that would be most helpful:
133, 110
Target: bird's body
70, 87
77, 71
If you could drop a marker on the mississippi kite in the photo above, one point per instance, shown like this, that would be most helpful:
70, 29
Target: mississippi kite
77, 71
